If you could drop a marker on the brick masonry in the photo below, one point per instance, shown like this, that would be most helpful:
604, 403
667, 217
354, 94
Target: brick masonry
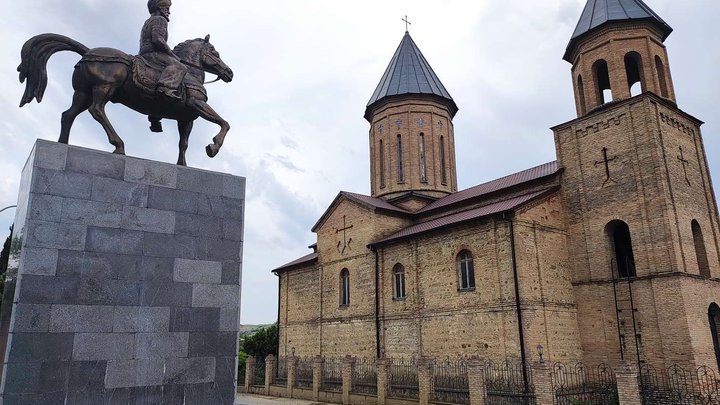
125, 283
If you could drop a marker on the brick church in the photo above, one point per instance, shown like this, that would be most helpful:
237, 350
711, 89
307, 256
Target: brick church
612, 251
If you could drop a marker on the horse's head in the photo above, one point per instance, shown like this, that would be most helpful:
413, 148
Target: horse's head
211, 62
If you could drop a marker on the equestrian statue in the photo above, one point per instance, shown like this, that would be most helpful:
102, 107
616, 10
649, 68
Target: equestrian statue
159, 82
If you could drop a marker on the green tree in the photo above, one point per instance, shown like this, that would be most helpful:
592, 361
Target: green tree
261, 342
4, 258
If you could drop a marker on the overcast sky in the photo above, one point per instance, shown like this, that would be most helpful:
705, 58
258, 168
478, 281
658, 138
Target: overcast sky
304, 71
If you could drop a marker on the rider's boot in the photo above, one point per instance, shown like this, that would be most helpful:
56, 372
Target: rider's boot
169, 93
155, 124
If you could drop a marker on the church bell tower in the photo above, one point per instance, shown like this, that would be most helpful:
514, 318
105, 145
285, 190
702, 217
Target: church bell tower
642, 217
412, 144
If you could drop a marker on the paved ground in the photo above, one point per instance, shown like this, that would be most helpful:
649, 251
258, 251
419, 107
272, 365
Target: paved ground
252, 399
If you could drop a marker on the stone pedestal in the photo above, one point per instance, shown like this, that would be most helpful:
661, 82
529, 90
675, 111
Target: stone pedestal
124, 282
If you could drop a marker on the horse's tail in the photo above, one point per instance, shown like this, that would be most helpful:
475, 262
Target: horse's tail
34, 56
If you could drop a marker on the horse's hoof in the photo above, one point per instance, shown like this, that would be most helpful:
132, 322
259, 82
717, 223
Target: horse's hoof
211, 150
119, 151
181, 163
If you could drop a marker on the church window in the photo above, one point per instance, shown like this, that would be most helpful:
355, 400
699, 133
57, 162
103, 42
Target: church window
621, 244
714, 320
660, 67
581, 94
700, 252
602, 80
423, 168
443, 172
382, 164
401, 174
466, 270
634, 71
398, 281
344, 288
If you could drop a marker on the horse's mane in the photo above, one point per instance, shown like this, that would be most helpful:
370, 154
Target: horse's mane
181, 46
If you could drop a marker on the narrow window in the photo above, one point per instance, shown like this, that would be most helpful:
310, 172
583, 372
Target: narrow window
401, 174
581, 94
382, 164
443, 172
423, 169
621, 245
602, 78
714, 320
398, 281
700, 253
660, 67
344, 288
634, 72
466, 270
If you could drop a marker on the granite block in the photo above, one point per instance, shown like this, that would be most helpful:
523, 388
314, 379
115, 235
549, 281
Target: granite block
208, 393
62, 184
161, 345
148, 219
54, 376
147, 395
135, 373
218, 249
226, 369
198, 225
173, 394
31, 318
162, 293
157, 268
211, 344
229, 319
151, 173
48, 290
141, 319
212, 295
33, 399
195, 319
230, 272
197, 271
103, 346
23, 378
51, 235
87, 375
91, 397
114, 241
219, 206
119, 192
44, 207
97, 265
232, 229
173, 200
33, 347
95, 163
164, 245
39, 261
109, 292
190, 370
81, 318
95, 213
50, 155
199, 181
234, 187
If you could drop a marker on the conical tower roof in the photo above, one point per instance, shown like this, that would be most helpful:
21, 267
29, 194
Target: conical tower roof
600, 12
409, 73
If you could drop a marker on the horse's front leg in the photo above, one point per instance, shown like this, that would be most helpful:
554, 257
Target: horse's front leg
184, 128
205, 111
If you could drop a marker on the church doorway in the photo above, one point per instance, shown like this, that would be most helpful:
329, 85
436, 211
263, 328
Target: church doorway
621, 245
714, 318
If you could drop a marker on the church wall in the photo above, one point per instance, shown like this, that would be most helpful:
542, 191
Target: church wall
299, 312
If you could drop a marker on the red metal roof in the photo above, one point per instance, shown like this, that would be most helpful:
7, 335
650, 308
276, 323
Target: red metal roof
494, 208
373, 202
494, 185
303, 260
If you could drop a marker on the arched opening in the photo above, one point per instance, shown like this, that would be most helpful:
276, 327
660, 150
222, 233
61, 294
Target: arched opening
443, 172
714, 320
401, 173
602, 78
466, 270
700, 253
344, 287
660, 67
581, 94
382, 164
423, 166
398, 281
634, 71
621, 244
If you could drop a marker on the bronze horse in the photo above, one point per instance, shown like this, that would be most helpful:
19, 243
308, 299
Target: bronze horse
106, 74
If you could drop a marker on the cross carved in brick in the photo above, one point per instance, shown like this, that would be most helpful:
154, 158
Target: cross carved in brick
345, 243
606, 161
685, 163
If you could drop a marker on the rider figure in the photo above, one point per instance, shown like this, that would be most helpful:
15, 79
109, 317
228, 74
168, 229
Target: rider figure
155, 50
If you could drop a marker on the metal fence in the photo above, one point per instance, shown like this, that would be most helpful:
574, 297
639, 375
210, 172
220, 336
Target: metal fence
450, 382
404, 379
365, 377
259, 373
332, 375
280, 371
304, 373
509, 383
579, 384
678, 386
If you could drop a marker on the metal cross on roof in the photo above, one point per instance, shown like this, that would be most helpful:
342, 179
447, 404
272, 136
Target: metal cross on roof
406, 23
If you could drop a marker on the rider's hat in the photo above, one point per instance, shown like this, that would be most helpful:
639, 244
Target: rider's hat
154, 5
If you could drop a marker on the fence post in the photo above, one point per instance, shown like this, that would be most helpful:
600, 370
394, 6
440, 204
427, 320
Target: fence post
292, 362
269, 370
628, 387
347, 382
425, 366
476, 381
317, 368
249, 372
542, 378
383, 366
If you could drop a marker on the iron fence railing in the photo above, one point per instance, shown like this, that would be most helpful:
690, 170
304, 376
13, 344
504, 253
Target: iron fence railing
509, 383
678, 386
404, 379
365, 377
280, 371
259, 372
332, 375
579, 384
450, 382
304, 373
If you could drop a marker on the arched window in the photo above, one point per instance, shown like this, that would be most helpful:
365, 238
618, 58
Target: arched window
443, 171
401, 174
382, 164
581, 94
421, 148
700, 253
660, 67
634, 71
621, 245
602, 78
466, 270
344, 288
714, 319
398, 281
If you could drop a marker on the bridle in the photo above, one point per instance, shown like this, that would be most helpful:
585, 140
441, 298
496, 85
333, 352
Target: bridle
214, 59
